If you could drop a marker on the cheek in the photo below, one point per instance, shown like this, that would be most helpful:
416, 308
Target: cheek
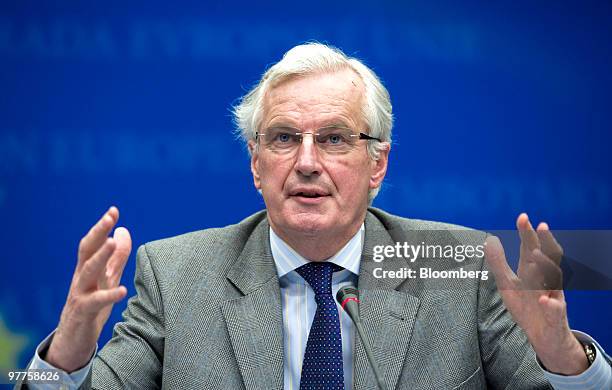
273, 172
351, 180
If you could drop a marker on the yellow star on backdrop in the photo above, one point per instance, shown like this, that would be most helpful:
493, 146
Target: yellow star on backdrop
11, 346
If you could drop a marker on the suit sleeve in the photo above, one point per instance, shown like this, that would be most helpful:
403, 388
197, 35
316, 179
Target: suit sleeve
134, 355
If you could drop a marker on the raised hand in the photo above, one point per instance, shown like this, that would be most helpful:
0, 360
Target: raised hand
93, 291
535, 298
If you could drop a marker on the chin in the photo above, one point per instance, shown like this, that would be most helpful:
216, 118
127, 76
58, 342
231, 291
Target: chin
309, 222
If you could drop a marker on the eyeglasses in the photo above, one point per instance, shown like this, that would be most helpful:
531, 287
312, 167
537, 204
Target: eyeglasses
331, 139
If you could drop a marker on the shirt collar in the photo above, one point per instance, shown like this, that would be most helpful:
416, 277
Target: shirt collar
287, 259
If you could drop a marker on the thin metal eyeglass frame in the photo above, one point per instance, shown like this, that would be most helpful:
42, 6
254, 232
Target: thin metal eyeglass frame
300, 133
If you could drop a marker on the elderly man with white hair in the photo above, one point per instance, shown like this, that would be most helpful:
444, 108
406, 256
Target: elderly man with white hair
251, 305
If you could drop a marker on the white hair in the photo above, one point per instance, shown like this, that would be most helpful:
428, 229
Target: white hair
311, 58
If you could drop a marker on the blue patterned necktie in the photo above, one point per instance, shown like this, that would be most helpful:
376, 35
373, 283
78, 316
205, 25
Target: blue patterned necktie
322, 367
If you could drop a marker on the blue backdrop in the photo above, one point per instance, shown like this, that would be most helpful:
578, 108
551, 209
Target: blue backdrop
500, 108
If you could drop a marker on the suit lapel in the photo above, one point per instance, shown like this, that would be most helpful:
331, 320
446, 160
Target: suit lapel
388, 315
254, 321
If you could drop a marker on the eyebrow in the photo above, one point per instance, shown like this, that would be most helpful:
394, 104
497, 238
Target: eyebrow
333, 123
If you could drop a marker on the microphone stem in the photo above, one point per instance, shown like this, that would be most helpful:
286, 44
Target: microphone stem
368, 352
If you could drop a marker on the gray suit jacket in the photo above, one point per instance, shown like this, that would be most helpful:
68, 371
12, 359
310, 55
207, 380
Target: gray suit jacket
207, 315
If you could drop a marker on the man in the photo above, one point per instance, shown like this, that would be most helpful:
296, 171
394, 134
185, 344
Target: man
251, 305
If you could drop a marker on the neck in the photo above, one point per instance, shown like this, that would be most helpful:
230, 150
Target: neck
320, 245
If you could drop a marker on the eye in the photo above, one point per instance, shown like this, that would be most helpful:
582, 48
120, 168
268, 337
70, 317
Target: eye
283, 137
335, 139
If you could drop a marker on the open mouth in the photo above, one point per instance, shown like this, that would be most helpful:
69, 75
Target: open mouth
309, 195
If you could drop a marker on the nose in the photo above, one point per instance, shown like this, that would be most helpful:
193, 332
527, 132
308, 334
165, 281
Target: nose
308, 161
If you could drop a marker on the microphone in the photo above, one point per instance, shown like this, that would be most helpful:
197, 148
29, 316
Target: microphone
348, 298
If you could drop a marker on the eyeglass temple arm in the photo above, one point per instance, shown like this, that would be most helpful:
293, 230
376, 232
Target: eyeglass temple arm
365, 136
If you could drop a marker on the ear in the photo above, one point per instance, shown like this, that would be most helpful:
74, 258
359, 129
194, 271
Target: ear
379, 167
254, 163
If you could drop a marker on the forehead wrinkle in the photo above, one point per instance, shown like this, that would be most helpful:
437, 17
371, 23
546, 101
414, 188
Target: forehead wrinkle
334, 99
317, 115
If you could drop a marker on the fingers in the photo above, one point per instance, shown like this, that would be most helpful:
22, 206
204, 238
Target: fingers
93, 291
496, 258
549, 244
118, 260
542, 273
97, 235
97, 300
94, 269
529, 237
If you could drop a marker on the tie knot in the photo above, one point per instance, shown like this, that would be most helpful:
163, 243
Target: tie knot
319, 276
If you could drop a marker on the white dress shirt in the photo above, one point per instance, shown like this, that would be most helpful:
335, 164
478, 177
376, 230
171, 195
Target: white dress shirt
299, 306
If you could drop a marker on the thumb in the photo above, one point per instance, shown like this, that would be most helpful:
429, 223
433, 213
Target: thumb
120, 256
123, 240
554, 309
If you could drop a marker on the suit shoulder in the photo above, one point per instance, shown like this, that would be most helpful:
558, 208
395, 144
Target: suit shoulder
214, 244
396, 223
413, 223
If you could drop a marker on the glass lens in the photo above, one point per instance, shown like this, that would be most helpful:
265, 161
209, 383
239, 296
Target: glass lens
336, 139
281, 138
